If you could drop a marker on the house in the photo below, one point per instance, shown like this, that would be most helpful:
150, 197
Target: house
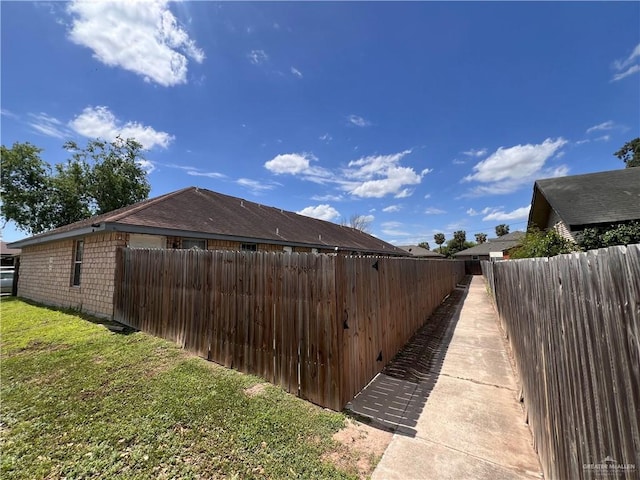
493, 248
420, 252
74, 265
571, 204
8, 255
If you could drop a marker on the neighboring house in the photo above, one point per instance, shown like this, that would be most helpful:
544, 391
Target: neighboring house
420, 252
74, 265
8, 255
571, 204
497, 248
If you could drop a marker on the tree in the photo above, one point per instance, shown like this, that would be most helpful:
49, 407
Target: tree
359, 222
543, 244
502, 229
481, 238
615, 234
439, 239
99, 178
424, 245
630, 153
460, 237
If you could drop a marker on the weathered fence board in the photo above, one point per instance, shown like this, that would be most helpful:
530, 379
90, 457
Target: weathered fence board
573, 323
320, 326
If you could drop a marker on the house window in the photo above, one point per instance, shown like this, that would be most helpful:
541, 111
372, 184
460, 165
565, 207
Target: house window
249, 247
314, 250
77, 262
475, 257
189, 243
287, 249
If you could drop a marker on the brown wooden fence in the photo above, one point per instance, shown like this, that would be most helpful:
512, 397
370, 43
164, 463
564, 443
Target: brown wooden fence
320, 326
573, 323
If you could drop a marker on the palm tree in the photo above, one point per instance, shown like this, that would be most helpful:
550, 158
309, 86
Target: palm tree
460, 238
439, 238
502, 229
481, 238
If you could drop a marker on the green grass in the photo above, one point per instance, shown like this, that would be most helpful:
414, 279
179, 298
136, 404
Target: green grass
81, 402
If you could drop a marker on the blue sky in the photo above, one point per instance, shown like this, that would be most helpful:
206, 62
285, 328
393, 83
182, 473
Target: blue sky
427, 117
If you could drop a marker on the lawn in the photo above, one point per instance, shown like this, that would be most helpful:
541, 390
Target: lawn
79, 401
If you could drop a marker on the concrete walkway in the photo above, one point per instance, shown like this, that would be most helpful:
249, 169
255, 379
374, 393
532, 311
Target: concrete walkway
455, 414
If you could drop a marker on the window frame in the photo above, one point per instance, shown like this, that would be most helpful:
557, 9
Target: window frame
249, 247
76, 264
202, 241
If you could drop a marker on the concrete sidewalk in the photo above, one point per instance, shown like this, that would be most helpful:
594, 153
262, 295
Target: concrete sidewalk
458, 418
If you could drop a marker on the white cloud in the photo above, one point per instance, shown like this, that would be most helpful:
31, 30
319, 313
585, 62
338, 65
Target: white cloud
608, 125
507, 169
368, 177
380, 175
48, 125
147, 165
258, 56
7, 113
472, 152
455, 161
291, 163
500, 215
322, 212
141, 37
197, 173
427, 196
628, 66
629, 71
255, 186
471, 212
99, 122
603, 138
391, 208
328, 198
326, 137
434, 211
296, 72
358, 121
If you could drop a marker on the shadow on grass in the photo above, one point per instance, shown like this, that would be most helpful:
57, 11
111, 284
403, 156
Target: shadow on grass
110, 325
394, 399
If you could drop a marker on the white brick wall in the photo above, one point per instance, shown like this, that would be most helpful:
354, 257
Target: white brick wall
46, 270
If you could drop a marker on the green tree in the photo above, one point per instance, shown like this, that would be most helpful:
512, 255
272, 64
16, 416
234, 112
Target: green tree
537, 243
502, 229
459, 238
481, 238
439, 239
99, 178
615, 234
26, 187
424, 245
630, 153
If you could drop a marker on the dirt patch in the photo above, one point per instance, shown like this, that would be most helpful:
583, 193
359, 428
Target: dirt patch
359, 448
38, 346
257, 389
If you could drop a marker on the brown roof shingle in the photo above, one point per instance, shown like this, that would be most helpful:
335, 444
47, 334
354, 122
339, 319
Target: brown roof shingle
205, 213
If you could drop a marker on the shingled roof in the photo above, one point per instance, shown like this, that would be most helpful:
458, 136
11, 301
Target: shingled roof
417, 251
201, 213
499, 244
590, 199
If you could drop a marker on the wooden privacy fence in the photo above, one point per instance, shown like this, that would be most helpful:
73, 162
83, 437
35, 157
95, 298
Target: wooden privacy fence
320, 326
573, 322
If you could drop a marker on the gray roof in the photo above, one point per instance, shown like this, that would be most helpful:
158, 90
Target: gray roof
6, 251
590, 199
200, 213
417, 251
499, 244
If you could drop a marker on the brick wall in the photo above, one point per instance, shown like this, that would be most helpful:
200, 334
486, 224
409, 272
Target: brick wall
46, 273
556, 222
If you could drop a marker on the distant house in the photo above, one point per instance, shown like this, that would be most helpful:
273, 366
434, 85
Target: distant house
8, 255
571, 204
420, 252
494, 247
74, 265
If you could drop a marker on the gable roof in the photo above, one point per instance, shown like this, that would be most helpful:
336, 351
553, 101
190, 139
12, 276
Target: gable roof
417, 251
6, 251
590, 199
499, 244
197, 212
